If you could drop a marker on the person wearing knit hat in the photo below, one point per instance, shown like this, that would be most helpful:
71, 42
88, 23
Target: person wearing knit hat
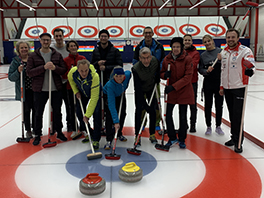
113, 91
179, 89
105, 32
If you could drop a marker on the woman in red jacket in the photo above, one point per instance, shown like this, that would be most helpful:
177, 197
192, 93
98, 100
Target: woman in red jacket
191, 50
70, 61
179, 89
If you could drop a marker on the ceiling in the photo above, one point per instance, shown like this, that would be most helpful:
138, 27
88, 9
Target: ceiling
119, 8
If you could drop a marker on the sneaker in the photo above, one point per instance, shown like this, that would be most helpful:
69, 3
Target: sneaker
172, 142
122, 138
74, 133
182, 145
237, 150
230, 143
61, 136
139, 141
208, 131
157, 128
29, 134
36, 141
108, 146
219, 131
86, 139
192, 129
95, 145
153, 139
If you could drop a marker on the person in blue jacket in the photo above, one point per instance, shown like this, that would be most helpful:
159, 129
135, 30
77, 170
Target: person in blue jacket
17, 66
113, 91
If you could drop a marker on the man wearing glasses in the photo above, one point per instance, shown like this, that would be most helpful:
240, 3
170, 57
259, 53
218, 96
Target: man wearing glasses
157, 51
40, 63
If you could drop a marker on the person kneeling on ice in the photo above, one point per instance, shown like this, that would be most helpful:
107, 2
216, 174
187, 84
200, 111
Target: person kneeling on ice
86, 86
113, 91
146, 75
179, 89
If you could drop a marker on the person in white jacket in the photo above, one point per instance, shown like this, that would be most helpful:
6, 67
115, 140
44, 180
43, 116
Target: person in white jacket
237, 65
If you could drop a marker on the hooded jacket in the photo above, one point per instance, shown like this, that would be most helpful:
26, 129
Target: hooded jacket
195, 61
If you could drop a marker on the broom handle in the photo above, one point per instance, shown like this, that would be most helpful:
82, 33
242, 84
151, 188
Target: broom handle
102, 98
22, 101
166, 95
160, 112
50, 110
119, 114
242, 118
86, 125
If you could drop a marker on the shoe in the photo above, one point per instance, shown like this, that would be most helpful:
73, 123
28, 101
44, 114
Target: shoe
62, 137
172, 142
29, 134
52, 132
153, 139
182, 145
192, 129
237, 150
230, 143
108, 146
36, 141
95, 145
86, 139
208, 131
74, 133
219, 131
139, 141
157, 128
122, 138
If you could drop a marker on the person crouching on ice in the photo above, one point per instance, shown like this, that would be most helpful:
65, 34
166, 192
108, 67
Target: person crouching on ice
86, 86
179, 90
113, 91
146, 75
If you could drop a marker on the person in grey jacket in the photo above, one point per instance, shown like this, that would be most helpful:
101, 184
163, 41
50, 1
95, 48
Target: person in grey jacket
18, 65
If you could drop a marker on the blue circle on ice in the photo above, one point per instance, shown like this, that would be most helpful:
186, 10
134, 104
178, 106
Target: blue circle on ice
35, 31
113, 31
79, 166
139, 31
215, 29
189, 29
87, 31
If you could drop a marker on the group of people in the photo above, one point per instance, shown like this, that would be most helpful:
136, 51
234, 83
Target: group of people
75, 79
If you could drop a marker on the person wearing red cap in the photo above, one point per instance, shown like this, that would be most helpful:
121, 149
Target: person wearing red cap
179, 89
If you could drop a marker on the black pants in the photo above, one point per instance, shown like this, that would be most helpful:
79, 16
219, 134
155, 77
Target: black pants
110, 133
193, 108
182, 122
234, 100
96, 133
40, 100
152, 113
28, 106
65, 98
72, 109
209, 93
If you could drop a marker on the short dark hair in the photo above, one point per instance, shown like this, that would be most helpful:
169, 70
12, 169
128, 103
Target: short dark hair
45, 34
58, 30
187, 35
71, 41
233, 30
148, 27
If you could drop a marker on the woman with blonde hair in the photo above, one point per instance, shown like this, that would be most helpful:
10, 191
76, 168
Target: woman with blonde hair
18, 65
211, 84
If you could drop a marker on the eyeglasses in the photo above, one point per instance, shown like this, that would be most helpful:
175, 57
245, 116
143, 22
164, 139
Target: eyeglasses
45, 40
147, 32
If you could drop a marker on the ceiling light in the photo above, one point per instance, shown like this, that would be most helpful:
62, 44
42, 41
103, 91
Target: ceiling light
61, 5
229, 4
130, 4
197, 4
95, 5
1, 9
164, 4
26, 5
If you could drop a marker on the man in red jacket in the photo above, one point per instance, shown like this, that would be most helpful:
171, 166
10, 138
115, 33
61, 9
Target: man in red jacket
39, 64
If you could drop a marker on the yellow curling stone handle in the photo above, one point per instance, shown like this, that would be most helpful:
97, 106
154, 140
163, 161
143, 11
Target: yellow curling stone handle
131, 167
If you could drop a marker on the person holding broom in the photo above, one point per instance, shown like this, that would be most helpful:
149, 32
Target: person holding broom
113, 90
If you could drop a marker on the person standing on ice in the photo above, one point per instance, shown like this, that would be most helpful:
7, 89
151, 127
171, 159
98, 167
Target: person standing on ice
39, 64
145, 75
238, 64
179, 90
85, 85
113, 90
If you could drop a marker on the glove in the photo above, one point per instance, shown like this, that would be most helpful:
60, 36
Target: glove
249, 72
167, 74
168, 89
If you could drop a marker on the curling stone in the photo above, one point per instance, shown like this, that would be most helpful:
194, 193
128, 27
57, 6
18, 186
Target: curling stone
92, 184
130, 172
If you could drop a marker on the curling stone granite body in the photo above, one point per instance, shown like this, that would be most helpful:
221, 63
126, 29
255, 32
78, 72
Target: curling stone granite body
130, 173
92, 184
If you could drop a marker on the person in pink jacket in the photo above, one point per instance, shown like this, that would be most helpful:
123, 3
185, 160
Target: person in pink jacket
179, 89
191, 50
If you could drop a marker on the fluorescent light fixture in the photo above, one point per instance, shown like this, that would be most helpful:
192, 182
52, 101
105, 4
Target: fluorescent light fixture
1, 9
197, 4
229, 4
95, 4
30, 8
131, 1
164, 4
261, 4
61, 5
